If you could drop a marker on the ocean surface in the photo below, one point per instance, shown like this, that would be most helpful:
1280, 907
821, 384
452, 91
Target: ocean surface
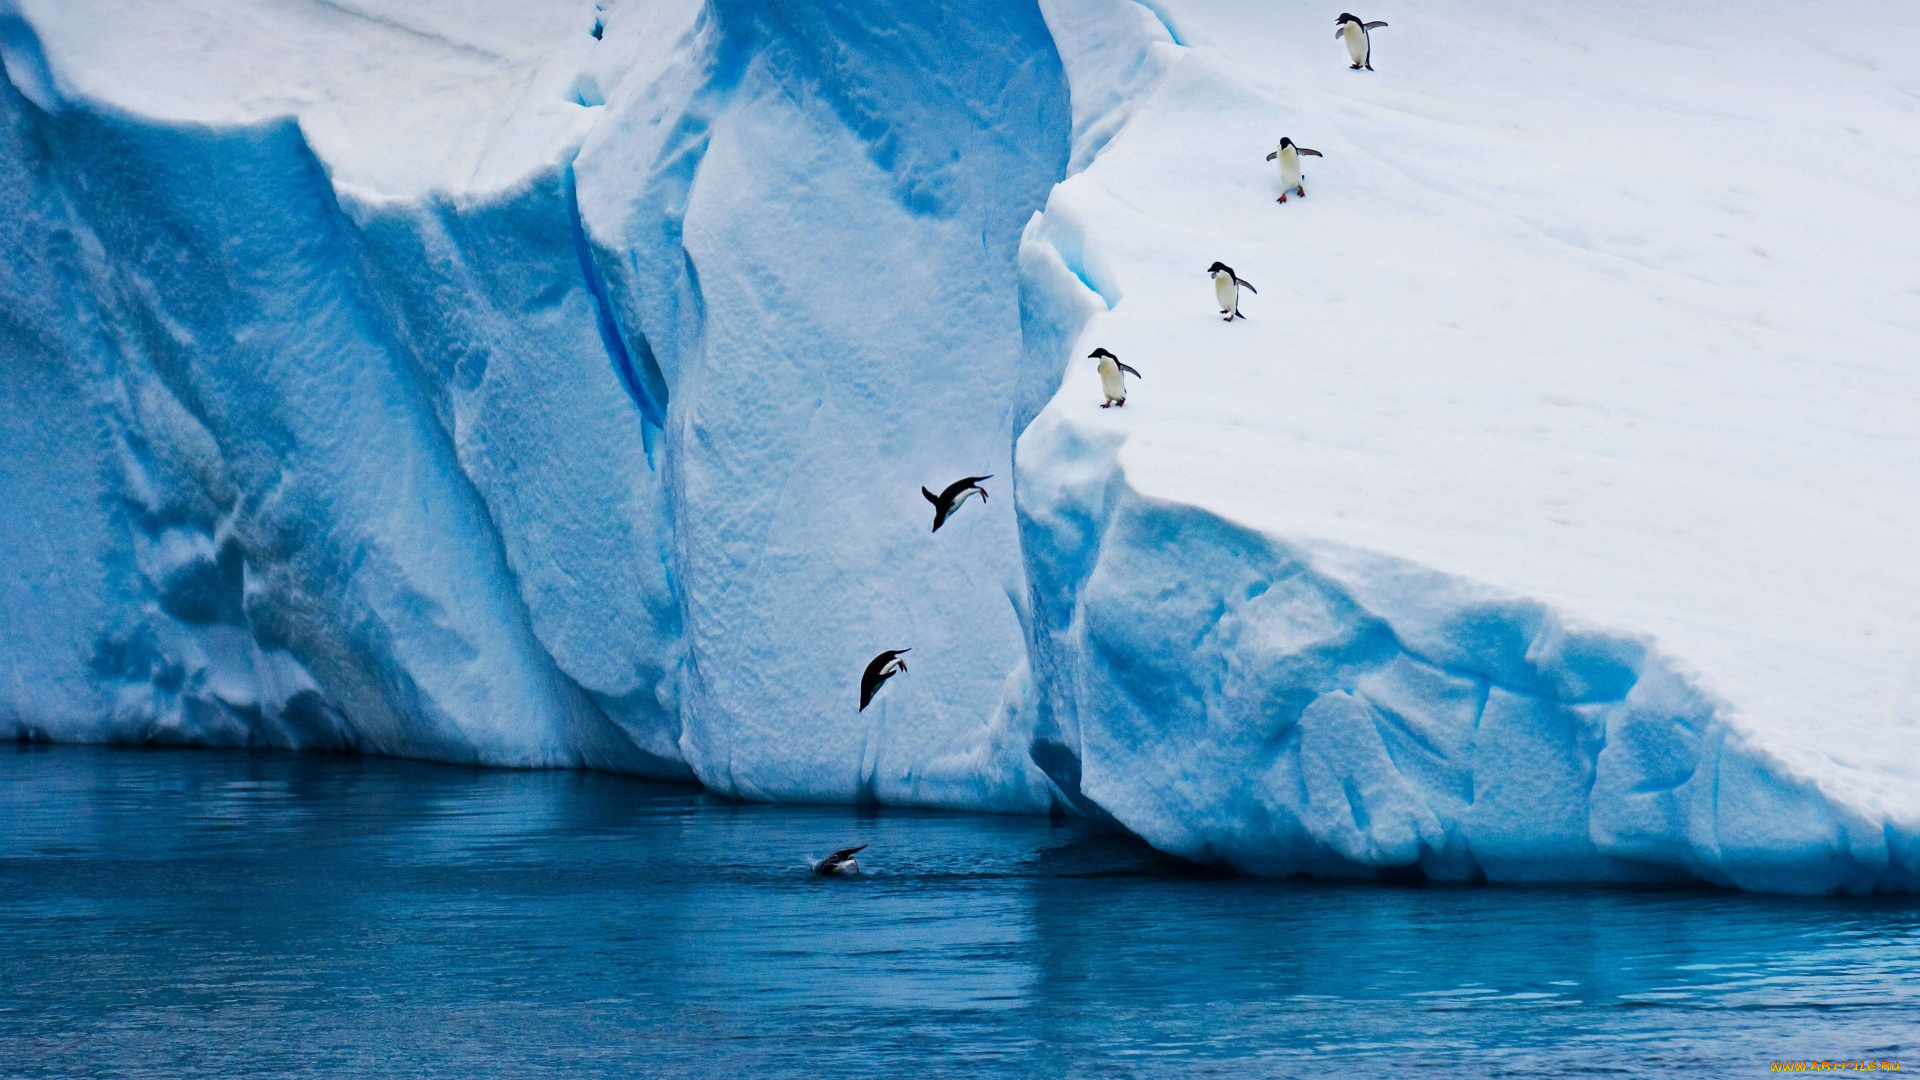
223, 914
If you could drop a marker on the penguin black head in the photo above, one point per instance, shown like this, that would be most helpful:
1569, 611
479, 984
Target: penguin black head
1345, 17
1285, 142
1097, 353
1219, 267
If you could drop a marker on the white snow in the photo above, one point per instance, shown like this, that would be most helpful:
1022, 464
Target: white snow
1611, 309
447, 379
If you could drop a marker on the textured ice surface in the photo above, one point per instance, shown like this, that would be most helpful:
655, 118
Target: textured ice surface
553, 384
1549, 516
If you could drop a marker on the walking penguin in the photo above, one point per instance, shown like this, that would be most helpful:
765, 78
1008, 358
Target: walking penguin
1112, 382
1291, 178
1226, 289
1354, 33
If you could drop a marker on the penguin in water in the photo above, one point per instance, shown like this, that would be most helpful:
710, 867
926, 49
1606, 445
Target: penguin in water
945, 503
879, 670
1354, 34
1226, 289
839, 863
1112, 383
1290, 177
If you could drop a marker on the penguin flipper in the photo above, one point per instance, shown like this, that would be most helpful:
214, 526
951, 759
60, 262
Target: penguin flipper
1273, 155
1372, 25
1247, 285
1309, 153
1129, 370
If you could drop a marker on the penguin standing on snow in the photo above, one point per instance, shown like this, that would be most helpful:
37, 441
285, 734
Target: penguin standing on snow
1112, 383
1226, 289
879, 670
1291, 178
1353, 33
945, 503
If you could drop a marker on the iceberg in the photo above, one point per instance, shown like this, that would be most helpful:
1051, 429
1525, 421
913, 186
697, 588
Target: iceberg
554, 384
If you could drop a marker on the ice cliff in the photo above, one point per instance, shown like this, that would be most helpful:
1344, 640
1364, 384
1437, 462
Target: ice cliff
553, 384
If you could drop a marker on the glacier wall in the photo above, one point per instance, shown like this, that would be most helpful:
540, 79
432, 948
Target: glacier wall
554, 387
1233, 698
474, 475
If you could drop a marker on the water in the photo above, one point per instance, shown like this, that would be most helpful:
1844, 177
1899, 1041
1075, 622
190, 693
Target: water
214, 914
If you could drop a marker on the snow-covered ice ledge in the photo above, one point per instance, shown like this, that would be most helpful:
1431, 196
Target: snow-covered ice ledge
1283, 708
1533, 527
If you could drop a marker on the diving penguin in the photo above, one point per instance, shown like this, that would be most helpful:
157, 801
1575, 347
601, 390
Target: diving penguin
1226, 289
879, 670
1359, 43
1289, 158
945, 503
1112, 383
839, 863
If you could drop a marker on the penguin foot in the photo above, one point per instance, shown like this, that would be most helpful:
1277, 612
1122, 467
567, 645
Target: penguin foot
1106, 404
1356, 67
1302, 193
1282, 198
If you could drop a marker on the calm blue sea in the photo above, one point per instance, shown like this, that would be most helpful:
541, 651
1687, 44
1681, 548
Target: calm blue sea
224, 914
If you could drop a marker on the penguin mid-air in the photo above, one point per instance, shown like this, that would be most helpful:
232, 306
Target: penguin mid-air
1290, 177
1353, 32
945, 503
879, 670
1226, 289
839, 863
1112, 383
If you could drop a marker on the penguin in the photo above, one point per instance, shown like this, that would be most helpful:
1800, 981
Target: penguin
1359, 43
945, 503
1226, 289
1111, 382
879, 670
1289, 158
839, 863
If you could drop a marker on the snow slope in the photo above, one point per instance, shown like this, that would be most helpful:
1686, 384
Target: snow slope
553, 383
1555, 502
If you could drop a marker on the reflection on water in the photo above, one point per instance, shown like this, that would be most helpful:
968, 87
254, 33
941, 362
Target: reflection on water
222, 914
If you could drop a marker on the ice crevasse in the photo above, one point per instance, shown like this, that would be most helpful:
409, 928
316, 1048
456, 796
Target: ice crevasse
553, 384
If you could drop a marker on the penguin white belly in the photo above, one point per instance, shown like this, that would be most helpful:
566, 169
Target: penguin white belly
1356, 40
1223, 291
1289, 170
1110, 383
